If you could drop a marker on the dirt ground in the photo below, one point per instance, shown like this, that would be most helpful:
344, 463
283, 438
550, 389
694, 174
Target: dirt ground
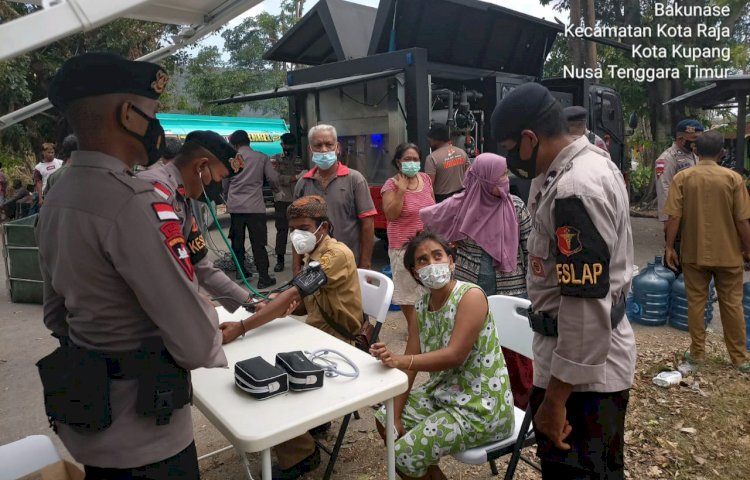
698, 430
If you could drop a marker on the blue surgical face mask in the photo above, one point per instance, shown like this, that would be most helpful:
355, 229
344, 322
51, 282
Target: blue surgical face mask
324, 160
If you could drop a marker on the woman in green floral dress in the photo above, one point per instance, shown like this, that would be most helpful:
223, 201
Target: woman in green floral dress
467, 401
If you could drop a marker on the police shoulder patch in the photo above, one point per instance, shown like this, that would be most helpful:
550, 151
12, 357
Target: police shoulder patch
164, 211
162, 191
175, 243
582, 254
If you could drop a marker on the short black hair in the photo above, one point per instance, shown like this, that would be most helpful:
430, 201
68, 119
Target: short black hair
401, 149
709, 144
551, 123
69, 145
439, 132
239, 137
416, 241
172, 145
289, 139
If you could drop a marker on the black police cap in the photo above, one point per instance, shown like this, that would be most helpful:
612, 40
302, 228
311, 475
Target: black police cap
689, 125
101, 73
219, 148
518, 110
575, 113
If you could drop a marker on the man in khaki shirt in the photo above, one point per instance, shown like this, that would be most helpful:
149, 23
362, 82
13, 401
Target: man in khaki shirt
446, 165
340, 300
580, 267
712, 205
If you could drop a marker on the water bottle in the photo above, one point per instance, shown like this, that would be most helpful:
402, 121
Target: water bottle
678, 309
651, 294
746, 308
662, 270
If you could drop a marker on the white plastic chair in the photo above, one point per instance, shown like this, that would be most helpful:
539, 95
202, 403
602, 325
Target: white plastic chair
27, 455
515, 334
377, 291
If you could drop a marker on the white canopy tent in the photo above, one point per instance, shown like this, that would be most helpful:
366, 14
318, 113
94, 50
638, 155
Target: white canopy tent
60, 18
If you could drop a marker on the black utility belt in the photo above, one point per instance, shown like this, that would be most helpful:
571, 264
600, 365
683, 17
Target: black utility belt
546, 325
76, 383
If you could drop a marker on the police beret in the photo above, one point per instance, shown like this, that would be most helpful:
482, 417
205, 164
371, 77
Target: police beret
575, 113
689, 125
102, 73
439, 132
518, 110
219, 148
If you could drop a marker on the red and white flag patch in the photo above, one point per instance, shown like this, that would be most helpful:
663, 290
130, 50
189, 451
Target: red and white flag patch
162, 191
164, 211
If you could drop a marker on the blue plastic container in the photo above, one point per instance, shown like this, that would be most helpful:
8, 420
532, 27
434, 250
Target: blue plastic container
663, 270
388, 273
746, 307
678, 308
649, 304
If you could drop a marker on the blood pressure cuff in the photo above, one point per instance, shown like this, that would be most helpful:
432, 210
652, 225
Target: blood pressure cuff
76, 388
260, 379
303, 374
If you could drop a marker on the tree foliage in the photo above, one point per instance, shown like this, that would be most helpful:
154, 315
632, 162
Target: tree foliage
25, 78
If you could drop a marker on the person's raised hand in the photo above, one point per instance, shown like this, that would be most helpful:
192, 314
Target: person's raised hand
402, 181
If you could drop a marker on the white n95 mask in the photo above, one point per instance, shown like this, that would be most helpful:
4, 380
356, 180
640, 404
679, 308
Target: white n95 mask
303, 241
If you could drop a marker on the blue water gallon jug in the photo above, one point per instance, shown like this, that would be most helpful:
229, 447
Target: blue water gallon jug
678, 305
650, 297
662, 270
388, 273
746, 307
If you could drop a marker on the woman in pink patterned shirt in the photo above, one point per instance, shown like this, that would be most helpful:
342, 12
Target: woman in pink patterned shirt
404, 195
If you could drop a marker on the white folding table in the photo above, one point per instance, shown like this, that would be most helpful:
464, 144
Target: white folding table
256, 426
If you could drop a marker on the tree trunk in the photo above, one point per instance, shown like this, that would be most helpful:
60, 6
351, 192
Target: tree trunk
589, 20
575, 44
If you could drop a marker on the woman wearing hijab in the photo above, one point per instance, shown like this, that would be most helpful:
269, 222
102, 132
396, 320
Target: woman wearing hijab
489, 228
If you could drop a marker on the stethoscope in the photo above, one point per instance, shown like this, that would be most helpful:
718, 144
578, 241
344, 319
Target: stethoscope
331, 367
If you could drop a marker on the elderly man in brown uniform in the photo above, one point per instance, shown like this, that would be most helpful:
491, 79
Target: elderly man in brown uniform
580, 267
119, 285
446, 165
189, 176
712, 205
336, 308
346, 193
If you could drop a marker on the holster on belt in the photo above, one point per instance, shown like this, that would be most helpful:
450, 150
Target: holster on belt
76, 383
546, 325
162, 387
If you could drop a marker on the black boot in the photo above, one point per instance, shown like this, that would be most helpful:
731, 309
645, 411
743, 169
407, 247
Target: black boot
279, 263
265, 281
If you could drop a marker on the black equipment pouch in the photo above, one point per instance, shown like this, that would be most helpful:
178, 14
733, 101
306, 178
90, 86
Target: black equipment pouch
260, 379
163, 386
303, 373
76, 388
546, 325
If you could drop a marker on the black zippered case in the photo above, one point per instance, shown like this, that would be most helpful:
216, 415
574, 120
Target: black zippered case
303, 374
260, 379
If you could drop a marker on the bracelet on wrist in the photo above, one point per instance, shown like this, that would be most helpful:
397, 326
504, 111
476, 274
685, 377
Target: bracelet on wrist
242, 323
411, 362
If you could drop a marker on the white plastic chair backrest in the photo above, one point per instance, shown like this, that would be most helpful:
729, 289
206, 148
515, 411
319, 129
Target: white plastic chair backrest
376, 296
513, 328
25, 456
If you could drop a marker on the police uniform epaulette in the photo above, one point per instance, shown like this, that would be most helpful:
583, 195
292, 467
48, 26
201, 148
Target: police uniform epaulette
136, 185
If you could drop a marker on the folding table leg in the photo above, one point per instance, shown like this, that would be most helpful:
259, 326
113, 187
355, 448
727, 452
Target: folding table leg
337, 446
525, 424
265, 456
246, 462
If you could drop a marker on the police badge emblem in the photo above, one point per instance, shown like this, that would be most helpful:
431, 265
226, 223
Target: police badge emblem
237, 163
568, 241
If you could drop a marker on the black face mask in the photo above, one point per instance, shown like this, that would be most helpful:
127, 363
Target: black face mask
212, 191
689, 145
153, 139
522, 168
